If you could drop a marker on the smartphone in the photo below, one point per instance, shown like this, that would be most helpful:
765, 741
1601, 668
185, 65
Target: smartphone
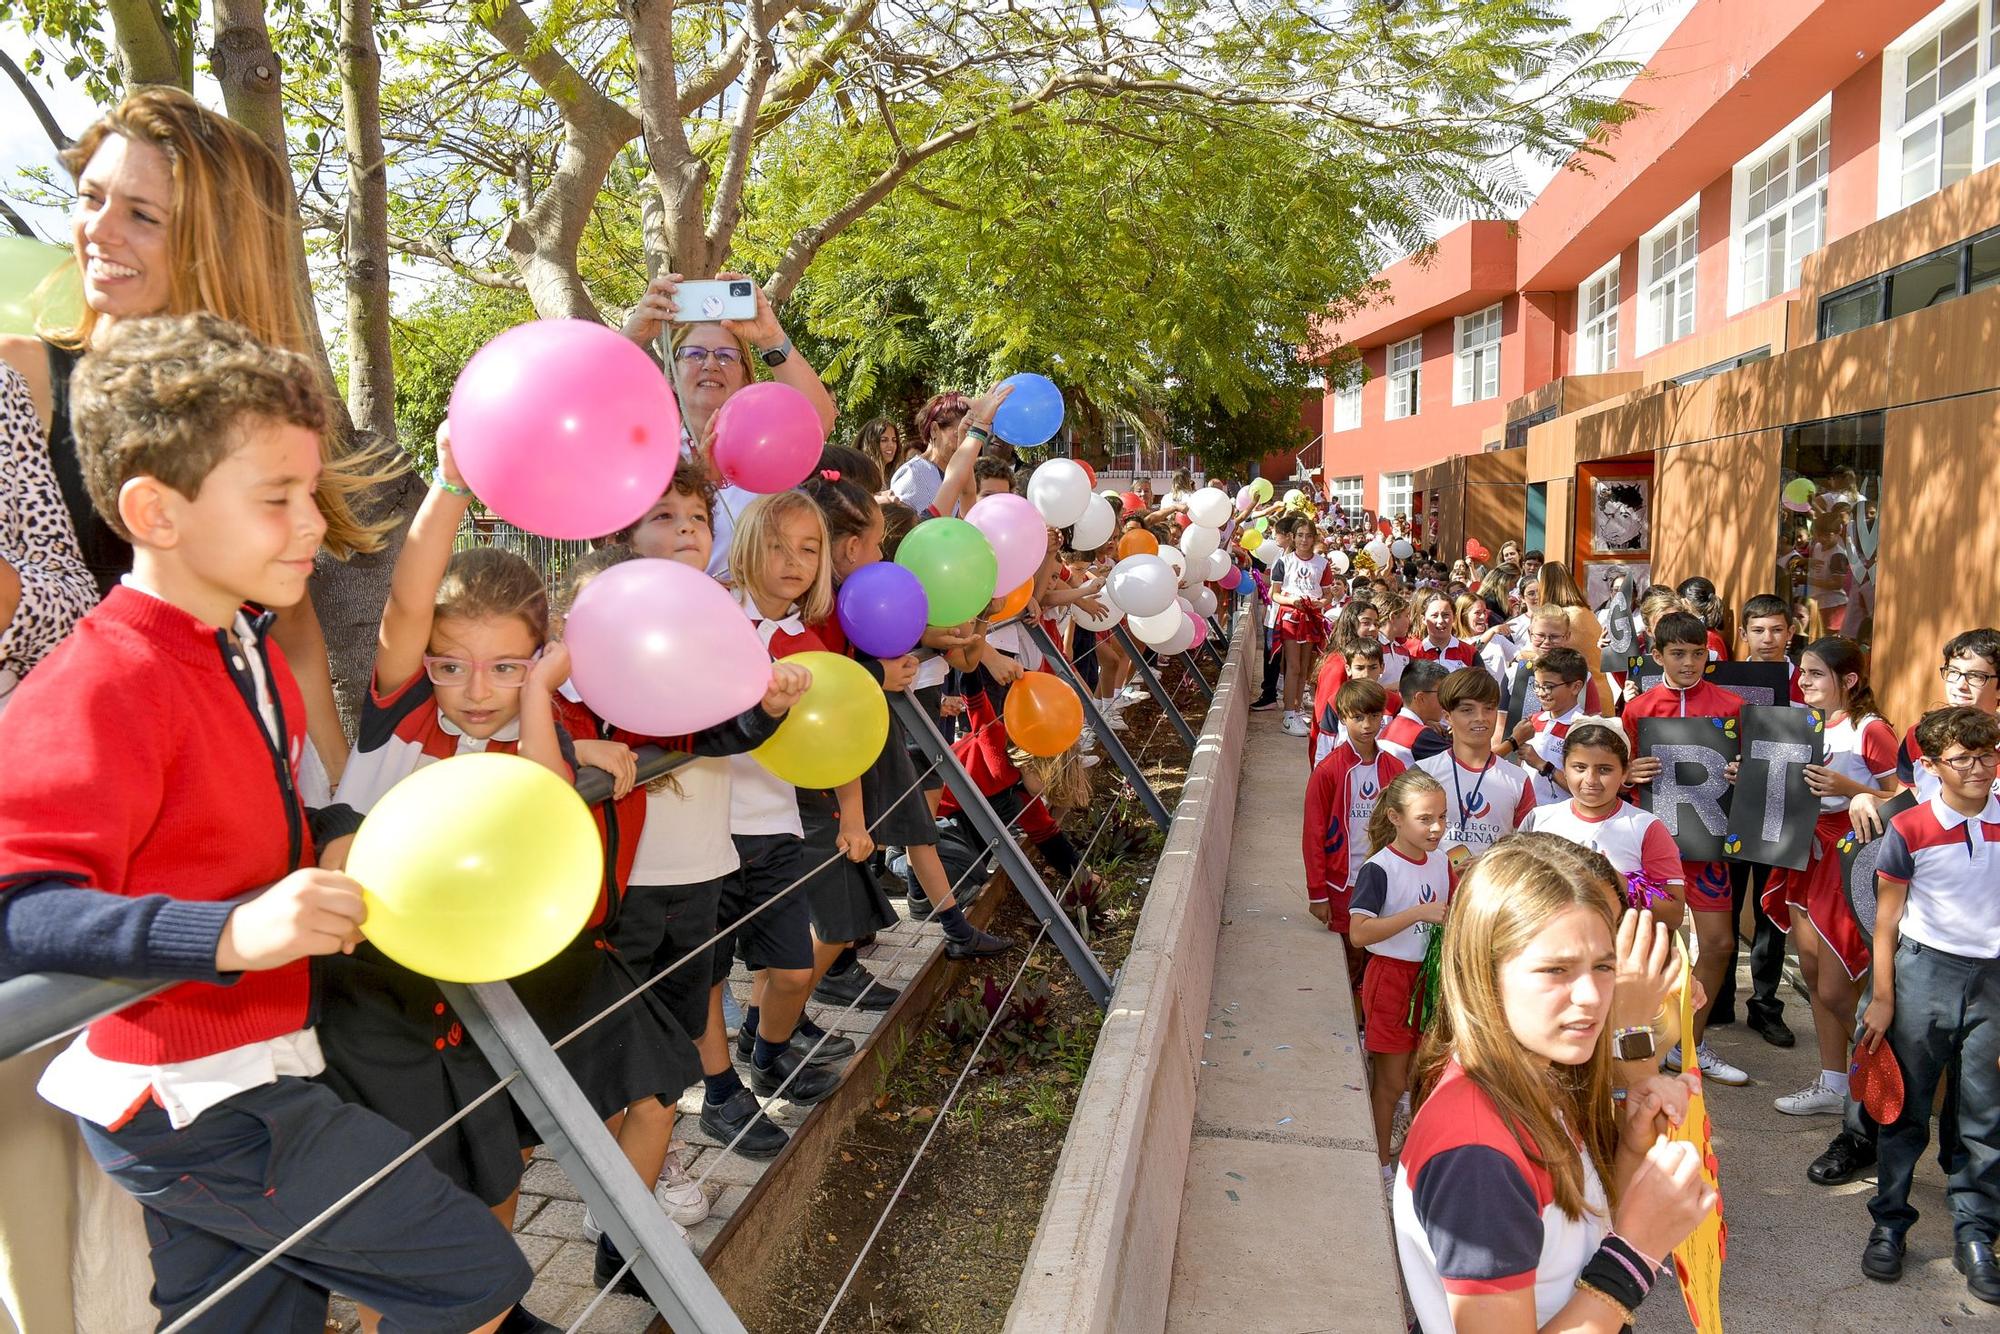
715, 299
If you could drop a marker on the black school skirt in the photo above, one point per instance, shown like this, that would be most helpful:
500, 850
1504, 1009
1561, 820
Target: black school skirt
844, 898
893, 778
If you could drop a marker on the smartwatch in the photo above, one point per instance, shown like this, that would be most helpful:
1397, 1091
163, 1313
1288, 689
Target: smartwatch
778, 355
1632, 1044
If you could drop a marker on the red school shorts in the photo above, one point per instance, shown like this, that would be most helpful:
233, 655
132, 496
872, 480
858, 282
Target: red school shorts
1386, 988
1706, 885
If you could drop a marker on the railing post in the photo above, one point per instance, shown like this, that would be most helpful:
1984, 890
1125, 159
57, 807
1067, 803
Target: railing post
1194, 670
1107, 736
1160, 695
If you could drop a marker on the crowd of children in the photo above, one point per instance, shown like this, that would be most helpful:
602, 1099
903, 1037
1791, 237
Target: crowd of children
1451, 708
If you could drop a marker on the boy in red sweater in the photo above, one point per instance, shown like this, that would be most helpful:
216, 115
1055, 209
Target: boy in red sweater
151, 828
1340, 797
1680, 645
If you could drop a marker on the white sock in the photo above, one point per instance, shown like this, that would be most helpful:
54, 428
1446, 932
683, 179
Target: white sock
1835, 1080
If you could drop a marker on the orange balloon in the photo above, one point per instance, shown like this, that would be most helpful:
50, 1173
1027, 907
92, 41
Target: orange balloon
1138, 542
1043, 715
1014, 603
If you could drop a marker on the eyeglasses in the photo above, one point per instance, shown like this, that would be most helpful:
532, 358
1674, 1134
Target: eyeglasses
505, 673
725, 357
1550, 687
1977, 680
1965, 764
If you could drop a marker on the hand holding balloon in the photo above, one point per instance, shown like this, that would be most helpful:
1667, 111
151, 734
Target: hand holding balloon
982, 409
788, 682
308, 912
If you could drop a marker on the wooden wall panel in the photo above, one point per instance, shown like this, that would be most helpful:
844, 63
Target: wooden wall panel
1560, 524
1716, 514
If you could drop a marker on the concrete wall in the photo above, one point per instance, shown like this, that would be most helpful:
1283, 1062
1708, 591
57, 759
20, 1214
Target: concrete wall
1104, 1253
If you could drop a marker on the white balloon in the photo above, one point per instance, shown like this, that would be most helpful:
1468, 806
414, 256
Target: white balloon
1199, 540
1378, 551
1095, 526
1060, 491
1181, 641
1142, 586
1159, 627
1218, 563
1112, 615
1203, 599
1401, 548
1176, 561
1208, 507
1266, 552
1337, 559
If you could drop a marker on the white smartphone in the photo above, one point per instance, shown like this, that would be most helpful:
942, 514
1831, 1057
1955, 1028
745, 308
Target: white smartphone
715, 299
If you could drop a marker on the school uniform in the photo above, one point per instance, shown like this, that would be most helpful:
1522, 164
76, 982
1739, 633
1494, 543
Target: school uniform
1481, 806
1707, 883
1547, 743
1402, 735
1453, 653
1635, 842
1389, 883
1305, 622
1340, 798
1866, 753
1947, 1010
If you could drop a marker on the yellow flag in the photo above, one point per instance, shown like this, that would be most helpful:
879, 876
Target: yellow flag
1698, 1260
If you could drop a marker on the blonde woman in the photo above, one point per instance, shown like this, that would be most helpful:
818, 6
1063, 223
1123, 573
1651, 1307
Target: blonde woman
1524, 1201
1555, 588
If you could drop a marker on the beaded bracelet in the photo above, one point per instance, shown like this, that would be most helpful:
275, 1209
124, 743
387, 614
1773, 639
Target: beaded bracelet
452, 487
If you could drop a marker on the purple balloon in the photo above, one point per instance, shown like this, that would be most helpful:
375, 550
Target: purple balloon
883, 609
661, 649
1016, 531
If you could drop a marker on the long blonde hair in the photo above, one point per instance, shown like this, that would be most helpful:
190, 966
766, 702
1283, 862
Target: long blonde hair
1510, 893
759, 529
1556, 587
235, 248
1396, 799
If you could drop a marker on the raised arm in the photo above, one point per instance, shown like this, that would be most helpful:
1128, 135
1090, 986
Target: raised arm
420, 566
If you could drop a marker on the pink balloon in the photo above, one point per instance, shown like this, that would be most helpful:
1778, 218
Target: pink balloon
1200, 632
1015, 530
659, 648
768, 437
564, 428
1231, 577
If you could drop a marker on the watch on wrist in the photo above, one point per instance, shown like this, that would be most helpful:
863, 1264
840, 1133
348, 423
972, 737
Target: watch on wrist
779, 355
1632, 1044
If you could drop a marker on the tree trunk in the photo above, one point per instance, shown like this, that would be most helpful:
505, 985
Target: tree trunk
147, 51
371, 376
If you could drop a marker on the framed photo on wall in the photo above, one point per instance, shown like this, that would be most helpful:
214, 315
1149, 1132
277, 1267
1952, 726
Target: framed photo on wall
1621, 512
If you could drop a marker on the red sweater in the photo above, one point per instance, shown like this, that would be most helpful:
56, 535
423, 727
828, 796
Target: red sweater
135, 768
1324, 840
1704, 699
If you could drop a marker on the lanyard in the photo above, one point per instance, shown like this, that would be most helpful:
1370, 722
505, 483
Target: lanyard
1459, 792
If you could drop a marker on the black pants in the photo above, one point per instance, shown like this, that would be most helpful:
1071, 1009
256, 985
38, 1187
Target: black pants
1274, 658
1767, 949
1947, 1009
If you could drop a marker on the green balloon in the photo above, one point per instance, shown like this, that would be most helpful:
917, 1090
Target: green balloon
1262, 487
1263, 524
24, 265
955, 564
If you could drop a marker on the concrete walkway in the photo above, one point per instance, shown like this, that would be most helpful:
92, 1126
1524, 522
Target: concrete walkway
1283, 1225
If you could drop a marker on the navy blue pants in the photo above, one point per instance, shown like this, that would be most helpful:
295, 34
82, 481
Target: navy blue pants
252, 1170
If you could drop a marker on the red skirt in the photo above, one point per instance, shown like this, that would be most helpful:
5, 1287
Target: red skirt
1387, 985
1301, 625
1817, 891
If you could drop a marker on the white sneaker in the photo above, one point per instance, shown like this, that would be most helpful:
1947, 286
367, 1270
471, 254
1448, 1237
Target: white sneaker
1134, 692
1715, 1068
1089, 761
1815, 1099
1295, 724
1114, 722
680, 1194
1086, 741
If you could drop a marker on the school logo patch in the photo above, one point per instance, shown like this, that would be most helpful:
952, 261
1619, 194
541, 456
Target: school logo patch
1477, 807
1728, 726
1847, 842
1367, 788
1336, 837
1425, 894
1733, 843
1714, 876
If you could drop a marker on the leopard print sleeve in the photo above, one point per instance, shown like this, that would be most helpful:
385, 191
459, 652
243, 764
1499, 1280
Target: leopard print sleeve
36, 539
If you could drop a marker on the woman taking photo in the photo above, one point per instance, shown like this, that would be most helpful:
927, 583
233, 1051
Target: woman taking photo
1524, 1201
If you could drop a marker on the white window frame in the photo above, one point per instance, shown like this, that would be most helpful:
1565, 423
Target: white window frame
1799, 215
1597, 330
1405, 392
1347, 408
1397, 494
1475, 341
1920, 128
1675, 284
1345, 492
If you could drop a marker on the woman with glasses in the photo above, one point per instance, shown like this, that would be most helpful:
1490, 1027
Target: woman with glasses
710, 361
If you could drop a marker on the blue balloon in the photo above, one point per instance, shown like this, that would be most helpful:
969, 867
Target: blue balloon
1032, 414
882, 609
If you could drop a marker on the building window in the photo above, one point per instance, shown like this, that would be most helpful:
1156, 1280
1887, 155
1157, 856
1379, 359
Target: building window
1396, 492
1477, 341
1781, 194
1124, 443
1829, 517
1958, 270
1347, 408
1406, 378
1346, 493
1597, 323
1669, 255
1943, 96
1714, 369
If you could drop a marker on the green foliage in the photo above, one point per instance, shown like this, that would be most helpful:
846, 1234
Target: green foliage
433, 340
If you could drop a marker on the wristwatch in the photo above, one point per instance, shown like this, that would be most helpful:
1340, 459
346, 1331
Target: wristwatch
779, 355
1632, 1044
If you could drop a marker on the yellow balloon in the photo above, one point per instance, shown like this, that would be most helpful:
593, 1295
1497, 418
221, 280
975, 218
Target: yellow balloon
477, 868
1249, 539
835, 731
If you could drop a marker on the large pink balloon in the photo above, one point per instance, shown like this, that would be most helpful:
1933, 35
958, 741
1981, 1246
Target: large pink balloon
1016, 532
768, 437
659, 648
565, 428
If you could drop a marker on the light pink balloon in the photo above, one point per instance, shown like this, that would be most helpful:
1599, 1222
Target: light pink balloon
1200, 633
1016, 532
659, 648
768, 438
564, 428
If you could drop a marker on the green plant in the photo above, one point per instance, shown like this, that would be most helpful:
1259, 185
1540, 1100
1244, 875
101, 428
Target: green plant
1022, 1027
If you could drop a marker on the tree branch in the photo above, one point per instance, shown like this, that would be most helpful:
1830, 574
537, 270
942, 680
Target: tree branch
727, 208
147, 51
33, 96
16, 221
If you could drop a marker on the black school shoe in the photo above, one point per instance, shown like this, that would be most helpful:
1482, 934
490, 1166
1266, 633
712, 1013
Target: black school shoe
521, 1320
1974, 1259
723, 1122
980, 945
1846, 1158
607, 1265
836, 1047
1773, 1029
856, 986
809, 1083
1882, 1257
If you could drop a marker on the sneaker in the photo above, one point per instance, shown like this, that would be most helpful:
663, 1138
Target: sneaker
1295, 724
723, 1122
1134, 691
1089, 761
1115, 723
1263, 705
1715, 1068
856, 986
1086, 741
681, 1195
919, 906
802, 1084
1815, 1099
